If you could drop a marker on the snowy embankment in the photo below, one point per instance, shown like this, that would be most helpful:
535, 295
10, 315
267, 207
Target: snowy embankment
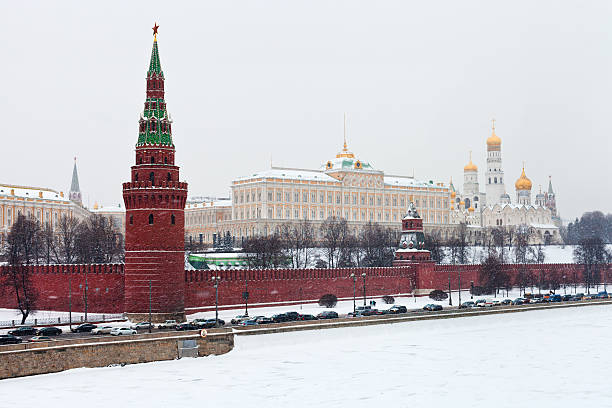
540, 357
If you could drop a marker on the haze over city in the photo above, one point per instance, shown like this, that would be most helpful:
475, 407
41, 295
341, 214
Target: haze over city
250, 83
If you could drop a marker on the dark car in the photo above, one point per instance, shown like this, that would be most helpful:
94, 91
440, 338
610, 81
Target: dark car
9, 339
292, 316
432, 307
187, 326
565, 298
506, 302
280, 318
307, 317
518, 302
555, 298
328, 314
397, 309
575, 298
264, 320
467, 305
210, 323
250, 322
83, 328
23, 331
49, 331
602, 295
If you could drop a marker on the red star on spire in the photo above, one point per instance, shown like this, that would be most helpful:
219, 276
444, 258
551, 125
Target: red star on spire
155, 27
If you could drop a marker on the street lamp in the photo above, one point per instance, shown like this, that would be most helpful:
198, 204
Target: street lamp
364, 288
354, 292
459, 287
215, 280
245, 294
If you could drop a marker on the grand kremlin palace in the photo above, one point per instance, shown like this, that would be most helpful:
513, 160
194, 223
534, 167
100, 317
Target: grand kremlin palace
343, 187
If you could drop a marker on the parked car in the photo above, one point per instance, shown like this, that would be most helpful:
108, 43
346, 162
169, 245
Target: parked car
506, 302
49, 331
9, 339
187, 326
292, 316
327, 314
579, 295
102, 330
397, 309
467, 305
518, 301
431, 307
83, 328
480, 303
210, 323
168, 324
565, 298
280, 318
575, 298
142, 326
122, 331
263, 320
238, 319
496, 302
23, 331
555, 298
602, 295
250, 322
39, 339
307, 317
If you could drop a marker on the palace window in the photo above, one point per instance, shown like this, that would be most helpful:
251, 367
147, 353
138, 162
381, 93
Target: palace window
403, 202
131, 220
172, 219
270, 196
150, 219
395, 201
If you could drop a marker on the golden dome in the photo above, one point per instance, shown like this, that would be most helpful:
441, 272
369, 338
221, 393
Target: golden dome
452, 207
462, 203
493, 140
471, 209
470, 166
95, 205
453, 194
523, 183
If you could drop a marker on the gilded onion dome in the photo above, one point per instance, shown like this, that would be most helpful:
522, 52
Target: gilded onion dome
471, 209
523, 183
493, 140
470, 166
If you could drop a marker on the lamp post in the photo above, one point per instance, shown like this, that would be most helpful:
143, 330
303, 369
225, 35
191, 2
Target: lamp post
450, 294
245, 295
149, 305
215, 280
471, 289
364, 288
459, 287
70, 300
354, 292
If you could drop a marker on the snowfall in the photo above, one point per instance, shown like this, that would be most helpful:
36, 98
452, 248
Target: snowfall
558, 357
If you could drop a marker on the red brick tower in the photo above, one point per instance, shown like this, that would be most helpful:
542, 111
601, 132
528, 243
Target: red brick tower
411, 247
155, 204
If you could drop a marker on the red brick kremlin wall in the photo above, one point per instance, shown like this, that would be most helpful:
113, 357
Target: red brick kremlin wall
106, 283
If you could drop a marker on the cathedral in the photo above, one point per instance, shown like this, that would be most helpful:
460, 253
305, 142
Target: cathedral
495, 208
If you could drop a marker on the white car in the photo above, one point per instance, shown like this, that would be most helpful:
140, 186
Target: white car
121, 331
102, 330
142, 326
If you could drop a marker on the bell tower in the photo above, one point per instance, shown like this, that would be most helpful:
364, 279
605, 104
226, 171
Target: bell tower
155, 204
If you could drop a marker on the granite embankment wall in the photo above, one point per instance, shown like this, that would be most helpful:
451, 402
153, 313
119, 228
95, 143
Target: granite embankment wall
105, 283
42, 358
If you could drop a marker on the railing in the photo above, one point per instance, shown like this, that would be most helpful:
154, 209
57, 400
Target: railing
63, 320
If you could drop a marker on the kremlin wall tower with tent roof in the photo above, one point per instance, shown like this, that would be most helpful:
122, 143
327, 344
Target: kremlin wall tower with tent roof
154, 274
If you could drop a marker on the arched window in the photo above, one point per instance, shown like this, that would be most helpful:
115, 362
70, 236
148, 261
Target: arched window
165, 160
150, 219
135, 176
152, 178
169, 177
131, 220
172, 219
495, 179
140, 160
152, 160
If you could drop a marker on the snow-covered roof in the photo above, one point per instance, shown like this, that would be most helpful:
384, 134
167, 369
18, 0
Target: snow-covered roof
291, 174
409, 182
346, 163
221, 202
544, 226
514, 206
31, 192
118, 208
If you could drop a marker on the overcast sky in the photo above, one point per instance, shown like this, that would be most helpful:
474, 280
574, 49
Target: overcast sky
247, 81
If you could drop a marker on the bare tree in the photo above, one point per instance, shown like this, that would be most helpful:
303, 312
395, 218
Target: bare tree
264, 252
65, 248
335, 239
433, 243
591, 253
98, 241
20, 246
298, 242
521, 244
377, 245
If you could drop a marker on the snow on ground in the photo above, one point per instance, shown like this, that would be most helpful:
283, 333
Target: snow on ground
560, 357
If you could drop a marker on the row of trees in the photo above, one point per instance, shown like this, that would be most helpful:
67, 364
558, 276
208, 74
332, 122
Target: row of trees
92, 240
591, 225
295, 245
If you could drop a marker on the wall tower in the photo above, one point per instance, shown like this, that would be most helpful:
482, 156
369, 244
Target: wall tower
155, 203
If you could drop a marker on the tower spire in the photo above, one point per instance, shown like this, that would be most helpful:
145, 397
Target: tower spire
345, 148
74, 194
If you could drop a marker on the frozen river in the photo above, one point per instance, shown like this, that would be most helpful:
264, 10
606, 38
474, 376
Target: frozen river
558, 357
